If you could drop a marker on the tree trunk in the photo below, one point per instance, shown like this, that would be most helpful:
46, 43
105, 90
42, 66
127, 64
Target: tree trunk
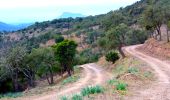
159, 32
121, 51
51, 76
31, 80
69, 72
47, 79
15, 82
167, 35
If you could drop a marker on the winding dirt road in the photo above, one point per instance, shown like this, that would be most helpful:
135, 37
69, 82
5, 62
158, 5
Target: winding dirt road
92, 75
160, 90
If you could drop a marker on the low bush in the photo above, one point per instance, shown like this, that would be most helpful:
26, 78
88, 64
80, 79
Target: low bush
121, 86
118, 84
87, 56
112, 56
92, 90
77, 97
63, 98
11, 95
113, 82
70, 79
133, 70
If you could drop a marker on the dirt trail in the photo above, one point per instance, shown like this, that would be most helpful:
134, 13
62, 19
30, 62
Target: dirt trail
160, 90
92, 75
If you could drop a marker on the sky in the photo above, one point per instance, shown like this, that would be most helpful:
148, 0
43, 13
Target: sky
29, 11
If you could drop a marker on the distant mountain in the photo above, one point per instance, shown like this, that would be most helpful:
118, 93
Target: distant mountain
73, 15
9, 27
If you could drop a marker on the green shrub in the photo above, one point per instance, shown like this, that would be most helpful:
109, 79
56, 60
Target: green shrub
87, 56
70, 79
58, 38
63, 98
11, 95
121, 86
77, 97
112, 56
113, 82
147, 74
118, 84
133, 70
92, 90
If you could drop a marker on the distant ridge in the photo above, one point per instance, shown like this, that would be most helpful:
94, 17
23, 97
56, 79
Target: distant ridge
9, 27
69, 14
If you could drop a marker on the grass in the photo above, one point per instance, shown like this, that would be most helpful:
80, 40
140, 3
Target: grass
70, 79
85, 92
63, 98
147, 74
121, 86
113, 82
11, 95
77, 97
92, 90
117, 85
133, 70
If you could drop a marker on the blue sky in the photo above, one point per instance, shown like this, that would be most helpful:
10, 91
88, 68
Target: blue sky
27, 11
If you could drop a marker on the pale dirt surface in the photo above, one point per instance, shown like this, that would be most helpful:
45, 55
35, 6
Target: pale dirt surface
160, 89
92, 75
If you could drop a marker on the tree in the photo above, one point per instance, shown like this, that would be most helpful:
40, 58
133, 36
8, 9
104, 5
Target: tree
65, 52
43, 60
153, 17
136, 37
112, 56
117, 37
58, 38
13, 64
168, 28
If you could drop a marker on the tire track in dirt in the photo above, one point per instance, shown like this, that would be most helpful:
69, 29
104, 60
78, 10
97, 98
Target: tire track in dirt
160, 90
92, 75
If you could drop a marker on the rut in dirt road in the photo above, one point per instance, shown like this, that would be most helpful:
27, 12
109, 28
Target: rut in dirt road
92, 75
160, 90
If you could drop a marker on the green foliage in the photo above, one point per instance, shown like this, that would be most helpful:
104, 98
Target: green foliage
112, 56
70, 79
92, 90
87, 56
65, 52
112, 82
77, 97
147, 74
133, 70
121, 86
11, 95
102, 43
58, 38
136, 37
118, 35
118, 84
63, 98
168, 24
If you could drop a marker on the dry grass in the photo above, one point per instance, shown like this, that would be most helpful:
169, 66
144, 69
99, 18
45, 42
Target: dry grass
130, 71
44, 88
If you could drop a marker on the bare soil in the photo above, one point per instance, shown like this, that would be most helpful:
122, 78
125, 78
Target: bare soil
159, 90
92, 75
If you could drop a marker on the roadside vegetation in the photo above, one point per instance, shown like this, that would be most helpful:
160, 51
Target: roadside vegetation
129, 75
23, 61
85, 92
